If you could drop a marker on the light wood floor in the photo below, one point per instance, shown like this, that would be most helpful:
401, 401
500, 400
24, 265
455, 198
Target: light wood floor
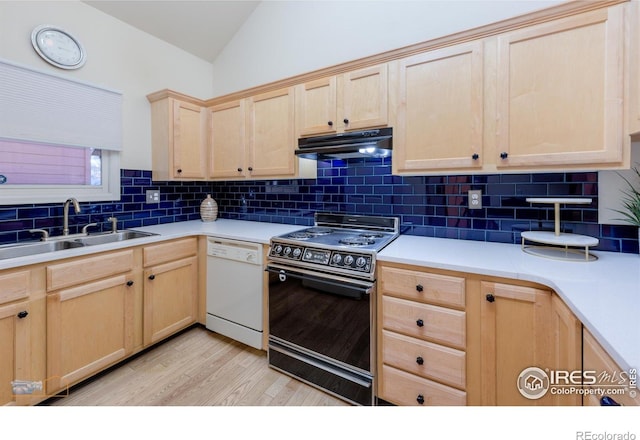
197, 367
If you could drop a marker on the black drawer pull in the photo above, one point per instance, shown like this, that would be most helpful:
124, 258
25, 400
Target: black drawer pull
23, 314
420, 323
129, 283
152, 277
490, 297
419, 360
420, 399
419, 288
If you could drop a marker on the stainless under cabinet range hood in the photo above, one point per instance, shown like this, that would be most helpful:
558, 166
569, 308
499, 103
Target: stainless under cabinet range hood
368, 143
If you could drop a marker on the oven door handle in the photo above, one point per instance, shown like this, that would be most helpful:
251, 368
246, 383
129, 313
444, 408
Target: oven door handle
335, 286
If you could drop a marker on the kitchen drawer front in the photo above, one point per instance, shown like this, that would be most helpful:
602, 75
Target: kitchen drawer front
14, 286
595, 358
402, 388
89, 269
170, 251
424, 287
425, 359
438, 323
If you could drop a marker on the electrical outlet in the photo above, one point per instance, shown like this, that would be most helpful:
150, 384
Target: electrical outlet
153, 196
475, 199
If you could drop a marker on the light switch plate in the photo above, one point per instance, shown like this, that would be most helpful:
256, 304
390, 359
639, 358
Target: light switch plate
475, 199
153, 196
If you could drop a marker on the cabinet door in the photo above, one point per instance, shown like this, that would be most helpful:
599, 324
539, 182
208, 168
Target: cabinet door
566, 345
514, 336
634, 60
439, 103
364, 98
89, 327
15, 350
170, 298
559, 92
271, 134
227, 135
315, 111
189, 141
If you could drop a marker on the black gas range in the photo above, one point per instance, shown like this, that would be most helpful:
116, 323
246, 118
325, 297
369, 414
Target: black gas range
340, 244
322, 302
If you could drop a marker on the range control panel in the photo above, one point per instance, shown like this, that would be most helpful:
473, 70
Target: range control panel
343, 259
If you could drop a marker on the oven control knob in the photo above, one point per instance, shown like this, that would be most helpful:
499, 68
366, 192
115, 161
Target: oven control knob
337, 259
297, 252
287, 250
278, 249
348, 260
361, 261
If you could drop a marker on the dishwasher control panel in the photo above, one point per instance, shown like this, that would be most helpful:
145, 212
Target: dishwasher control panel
236, 251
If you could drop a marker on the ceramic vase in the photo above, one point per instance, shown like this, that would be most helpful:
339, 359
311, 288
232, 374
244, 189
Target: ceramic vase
208, 209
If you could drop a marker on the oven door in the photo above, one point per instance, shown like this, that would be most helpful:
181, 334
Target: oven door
320, 330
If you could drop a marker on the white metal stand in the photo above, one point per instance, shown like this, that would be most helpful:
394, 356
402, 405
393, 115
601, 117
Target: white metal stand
556, 244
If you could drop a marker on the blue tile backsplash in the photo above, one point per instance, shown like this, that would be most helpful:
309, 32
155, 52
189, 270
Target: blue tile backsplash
433, 206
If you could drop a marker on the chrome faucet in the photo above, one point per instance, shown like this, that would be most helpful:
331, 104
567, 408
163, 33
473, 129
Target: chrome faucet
65, 213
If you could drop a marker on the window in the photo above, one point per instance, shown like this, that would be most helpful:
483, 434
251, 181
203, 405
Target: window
58, 138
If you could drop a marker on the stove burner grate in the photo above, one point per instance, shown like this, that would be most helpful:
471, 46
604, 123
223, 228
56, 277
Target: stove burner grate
357, 241
318, 230
300, 235
371, 235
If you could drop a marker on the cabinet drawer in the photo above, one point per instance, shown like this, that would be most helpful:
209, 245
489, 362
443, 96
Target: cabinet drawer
170, 251
424, 287
14, 286
402, 388
595, 358
424, 321
424, 358
88, 269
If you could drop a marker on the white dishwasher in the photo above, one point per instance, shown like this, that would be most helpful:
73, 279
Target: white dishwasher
234, 290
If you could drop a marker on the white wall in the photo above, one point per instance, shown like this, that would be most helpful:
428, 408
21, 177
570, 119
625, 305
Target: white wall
286, 38
118, 57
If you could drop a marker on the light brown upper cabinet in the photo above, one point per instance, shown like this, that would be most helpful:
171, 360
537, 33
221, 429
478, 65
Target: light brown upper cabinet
255, 138
227, 140
351, 101
178, 137
439, 119
560, 88
634, 67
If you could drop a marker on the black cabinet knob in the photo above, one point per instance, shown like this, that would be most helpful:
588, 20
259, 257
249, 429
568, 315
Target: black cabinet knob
420, 399
23, 314
475, 156
239, 169
179, 170
152, 277
330, 123
419, 288
504, 155
419, 360
345, 120
420, 323
490, 297
129, 283
250, 168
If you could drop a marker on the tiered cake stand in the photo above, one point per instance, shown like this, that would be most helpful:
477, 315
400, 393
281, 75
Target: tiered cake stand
556, 244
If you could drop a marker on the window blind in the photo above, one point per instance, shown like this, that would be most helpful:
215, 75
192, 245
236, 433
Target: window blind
41, 107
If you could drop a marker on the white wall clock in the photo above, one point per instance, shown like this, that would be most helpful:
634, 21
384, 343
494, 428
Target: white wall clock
58, 47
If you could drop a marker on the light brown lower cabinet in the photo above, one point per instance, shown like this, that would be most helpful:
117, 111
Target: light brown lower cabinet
451, 338
170, 288
90, 316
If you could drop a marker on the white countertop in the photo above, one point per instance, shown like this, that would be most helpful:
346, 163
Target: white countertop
603, 294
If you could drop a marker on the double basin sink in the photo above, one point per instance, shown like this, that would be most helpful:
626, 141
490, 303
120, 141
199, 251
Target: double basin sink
68, 242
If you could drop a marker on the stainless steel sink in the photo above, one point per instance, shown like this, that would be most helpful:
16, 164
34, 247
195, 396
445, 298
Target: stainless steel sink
70, 242
111, 237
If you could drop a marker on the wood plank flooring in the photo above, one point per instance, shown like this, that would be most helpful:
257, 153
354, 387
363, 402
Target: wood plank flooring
196, 368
